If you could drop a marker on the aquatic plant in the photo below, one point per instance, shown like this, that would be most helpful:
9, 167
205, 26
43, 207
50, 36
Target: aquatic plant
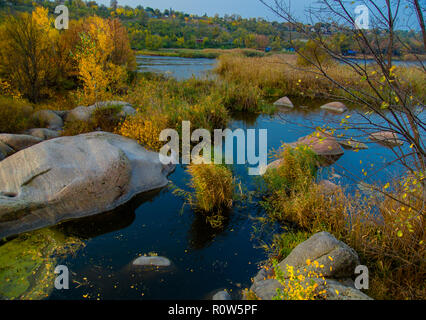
27, 263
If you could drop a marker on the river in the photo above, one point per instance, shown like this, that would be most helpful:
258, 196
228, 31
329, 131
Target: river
204, 260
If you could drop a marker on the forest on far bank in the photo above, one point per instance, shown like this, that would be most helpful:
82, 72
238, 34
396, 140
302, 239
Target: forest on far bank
153, 29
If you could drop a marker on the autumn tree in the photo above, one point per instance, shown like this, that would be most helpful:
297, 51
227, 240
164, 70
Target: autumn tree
28, 53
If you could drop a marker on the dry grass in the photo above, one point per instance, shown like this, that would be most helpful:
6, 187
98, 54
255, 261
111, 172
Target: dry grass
388, 231
279, 75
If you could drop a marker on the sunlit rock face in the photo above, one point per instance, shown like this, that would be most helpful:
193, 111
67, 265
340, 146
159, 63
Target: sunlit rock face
73, 177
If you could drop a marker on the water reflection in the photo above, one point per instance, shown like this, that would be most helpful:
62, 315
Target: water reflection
120, 218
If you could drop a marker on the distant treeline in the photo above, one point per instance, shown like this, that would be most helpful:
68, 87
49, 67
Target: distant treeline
154, 29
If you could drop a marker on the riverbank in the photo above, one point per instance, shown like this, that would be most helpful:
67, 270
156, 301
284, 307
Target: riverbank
200, 53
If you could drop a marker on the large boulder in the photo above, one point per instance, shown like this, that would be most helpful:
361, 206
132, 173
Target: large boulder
323, 144
330, 259
386, 138
43, 133
284, 102
18, 141
337, 259
49, 117
5, 151
85, 113
336, 106
73, 177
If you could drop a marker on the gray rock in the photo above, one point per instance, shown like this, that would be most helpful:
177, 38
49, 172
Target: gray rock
222, 295
19, 141
85, 113
284, 102
73, 177
79, 114
336, 106
5, 151
352, 145
328, 187
127, 111
337, 259
50, 118
44, 134
386, 138
266, 289
152, 261
340, 290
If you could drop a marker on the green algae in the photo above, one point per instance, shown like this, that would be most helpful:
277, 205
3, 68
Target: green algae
27, 263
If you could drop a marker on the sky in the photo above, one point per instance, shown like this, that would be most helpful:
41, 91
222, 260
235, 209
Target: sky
244, 8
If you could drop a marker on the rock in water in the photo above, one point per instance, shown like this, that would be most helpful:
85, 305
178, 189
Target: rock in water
73, 177
284, 102
386, 138
152, 261
222, 295
336, 106
324, 145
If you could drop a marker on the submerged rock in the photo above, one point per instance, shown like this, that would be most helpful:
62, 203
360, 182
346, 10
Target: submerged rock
386, 138
73, 177
352, 144
284, 102
19, 141
335, 106
328, 187
152, 261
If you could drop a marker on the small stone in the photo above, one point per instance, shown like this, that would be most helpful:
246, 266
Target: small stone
152, 261
284, 102
386, 138
222, 295
336, 106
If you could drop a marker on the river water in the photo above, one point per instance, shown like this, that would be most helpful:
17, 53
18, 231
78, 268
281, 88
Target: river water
204, 260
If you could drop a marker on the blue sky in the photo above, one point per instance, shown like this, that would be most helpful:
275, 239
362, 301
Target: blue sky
245, 8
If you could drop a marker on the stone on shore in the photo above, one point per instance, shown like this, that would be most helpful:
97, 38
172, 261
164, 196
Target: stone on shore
222, 295
284, 102
335, 260
44, 134
5, 151
19, 141
82, 113
49, 117
73, 177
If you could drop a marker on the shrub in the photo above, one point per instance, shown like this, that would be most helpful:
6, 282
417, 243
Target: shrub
298, 286
213, 191
15, 116
145, 130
